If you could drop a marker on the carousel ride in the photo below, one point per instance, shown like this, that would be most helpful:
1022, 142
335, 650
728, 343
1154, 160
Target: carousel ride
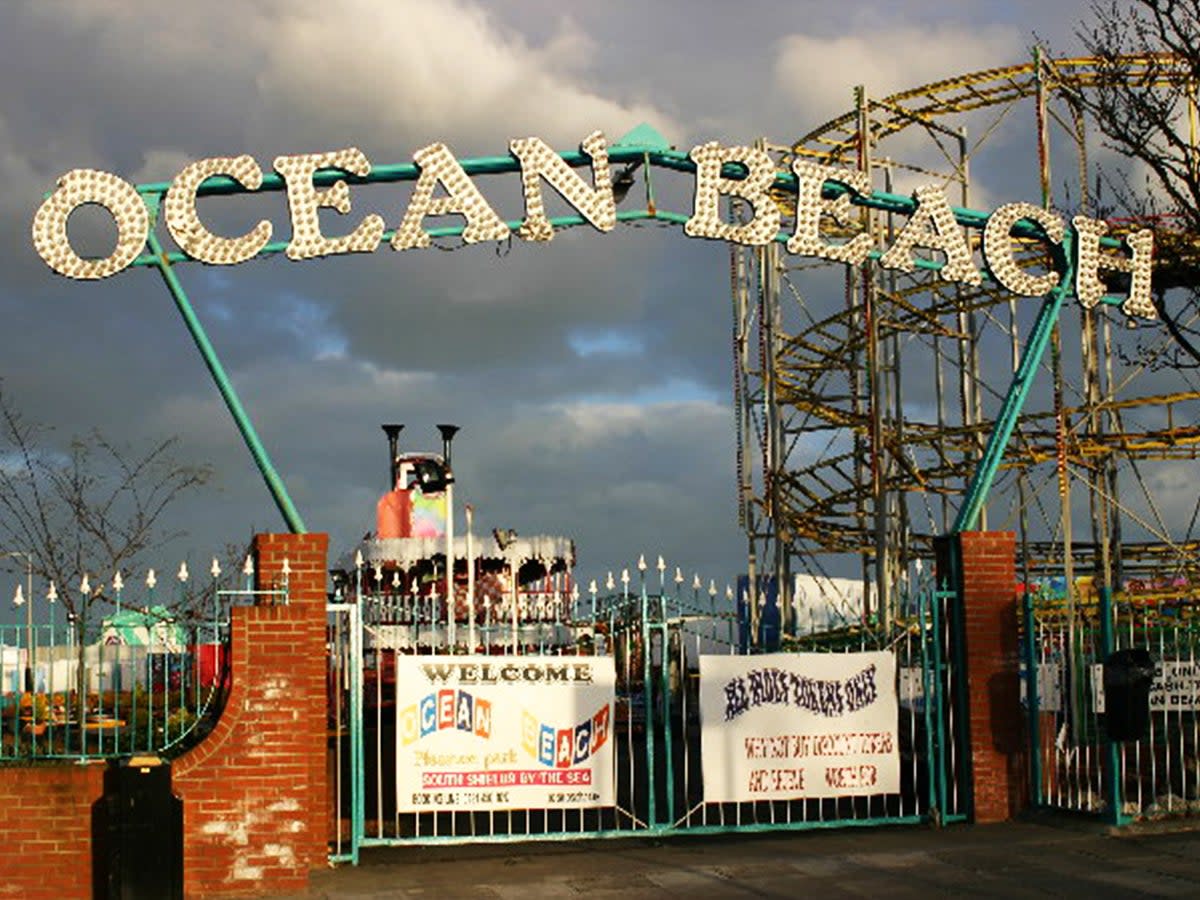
504, 590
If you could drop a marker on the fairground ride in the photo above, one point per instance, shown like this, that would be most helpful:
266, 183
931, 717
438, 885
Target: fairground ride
864, 396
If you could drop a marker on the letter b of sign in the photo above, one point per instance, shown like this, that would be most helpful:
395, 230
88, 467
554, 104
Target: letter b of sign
736, 701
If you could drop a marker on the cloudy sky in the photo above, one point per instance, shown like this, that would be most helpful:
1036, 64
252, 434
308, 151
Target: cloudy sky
591, 376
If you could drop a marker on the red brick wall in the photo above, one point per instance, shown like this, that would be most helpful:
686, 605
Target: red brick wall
255, 792
997, 724
46, 830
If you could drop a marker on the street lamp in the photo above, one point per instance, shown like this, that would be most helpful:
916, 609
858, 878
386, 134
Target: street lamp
448, 432
505, 538
18, 601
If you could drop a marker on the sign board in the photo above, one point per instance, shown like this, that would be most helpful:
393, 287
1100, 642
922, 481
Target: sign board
819, 193
786, 726
1175, 688
487, 732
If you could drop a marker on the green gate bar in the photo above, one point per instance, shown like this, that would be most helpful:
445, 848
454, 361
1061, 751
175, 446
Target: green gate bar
1112, 751
1032, 698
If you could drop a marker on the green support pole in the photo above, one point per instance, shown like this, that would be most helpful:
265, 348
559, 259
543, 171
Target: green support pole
1014, 401
1032, 702
1112, 752
358, 778
274, 483
928, 688
939, 709
664, 683
648, 712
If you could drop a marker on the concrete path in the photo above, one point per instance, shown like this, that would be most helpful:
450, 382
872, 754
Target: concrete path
1027, 859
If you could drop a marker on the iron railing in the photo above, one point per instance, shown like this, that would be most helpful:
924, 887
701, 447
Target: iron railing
1076, 766
143, 679
655, 640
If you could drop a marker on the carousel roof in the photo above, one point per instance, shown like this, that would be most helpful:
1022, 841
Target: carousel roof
405, 552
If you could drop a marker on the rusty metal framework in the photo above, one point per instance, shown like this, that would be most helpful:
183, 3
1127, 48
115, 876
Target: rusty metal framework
864, 396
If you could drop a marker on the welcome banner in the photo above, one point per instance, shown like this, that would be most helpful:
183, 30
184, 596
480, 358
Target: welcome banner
488, 732
788, 726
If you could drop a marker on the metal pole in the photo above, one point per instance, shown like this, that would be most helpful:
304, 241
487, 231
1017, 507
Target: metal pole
649, 709
1014, 400
470, 515
31, 665
512, 575
1114, 423
1112, 751
857, 320
451, 612
274, 483
30, 661
448, 432
1032, 700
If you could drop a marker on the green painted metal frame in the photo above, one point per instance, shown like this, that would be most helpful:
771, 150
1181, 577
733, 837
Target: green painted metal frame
1014, 399
354, 626
1032, 701
644, 146
653, 621
228, 393
1112, 751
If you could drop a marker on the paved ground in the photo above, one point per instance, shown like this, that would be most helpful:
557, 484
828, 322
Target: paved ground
1027, 859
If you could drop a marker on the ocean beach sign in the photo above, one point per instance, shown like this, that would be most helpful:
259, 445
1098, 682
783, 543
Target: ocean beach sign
740, 194
444, 186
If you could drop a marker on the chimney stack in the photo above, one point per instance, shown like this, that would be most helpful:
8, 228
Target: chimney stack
448, 432
393, 436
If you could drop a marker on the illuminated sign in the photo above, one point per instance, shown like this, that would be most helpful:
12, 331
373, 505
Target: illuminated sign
932, 225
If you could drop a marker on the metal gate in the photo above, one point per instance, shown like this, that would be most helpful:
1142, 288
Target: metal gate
1145, 765
655, 640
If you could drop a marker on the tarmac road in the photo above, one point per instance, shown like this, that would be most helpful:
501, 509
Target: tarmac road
1022, 859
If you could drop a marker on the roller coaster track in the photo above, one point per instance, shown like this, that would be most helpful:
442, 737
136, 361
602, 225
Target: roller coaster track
871, 409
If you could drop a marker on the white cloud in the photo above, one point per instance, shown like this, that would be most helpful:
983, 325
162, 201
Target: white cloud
817, 74
303, 75
429, 70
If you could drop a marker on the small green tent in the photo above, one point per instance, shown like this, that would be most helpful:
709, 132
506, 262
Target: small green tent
153, 628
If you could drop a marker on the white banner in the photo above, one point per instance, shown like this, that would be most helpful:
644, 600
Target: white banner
788, 726
493, 732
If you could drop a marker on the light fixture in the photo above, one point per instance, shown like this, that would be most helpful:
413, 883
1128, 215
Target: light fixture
624, 182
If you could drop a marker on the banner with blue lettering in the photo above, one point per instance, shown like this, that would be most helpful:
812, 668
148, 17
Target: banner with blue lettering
493, 732
786, 726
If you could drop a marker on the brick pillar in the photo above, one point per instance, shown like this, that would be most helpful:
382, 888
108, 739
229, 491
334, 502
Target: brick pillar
307, 558
987, 588
255, 790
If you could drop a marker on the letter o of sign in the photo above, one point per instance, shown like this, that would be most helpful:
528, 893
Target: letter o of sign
76, 188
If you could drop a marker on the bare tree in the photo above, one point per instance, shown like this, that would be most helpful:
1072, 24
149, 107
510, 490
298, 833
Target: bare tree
94, 509
1144, 106
1144, 101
